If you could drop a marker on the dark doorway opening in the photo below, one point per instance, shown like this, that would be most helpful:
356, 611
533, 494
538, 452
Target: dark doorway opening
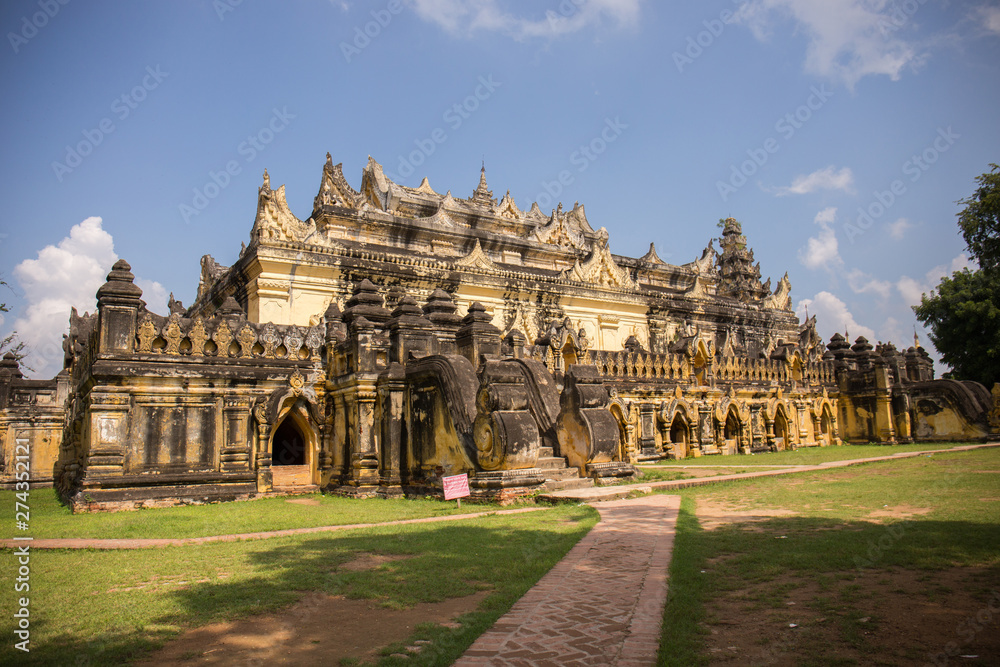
289, 446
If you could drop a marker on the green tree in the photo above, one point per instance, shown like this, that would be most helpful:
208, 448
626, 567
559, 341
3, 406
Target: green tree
963, 312
10, 343
980, 220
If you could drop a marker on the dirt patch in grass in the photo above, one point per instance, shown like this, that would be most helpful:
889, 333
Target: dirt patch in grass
899, 512
888, 617
319, 629
892, 616
712, 515
369, 561
305, 501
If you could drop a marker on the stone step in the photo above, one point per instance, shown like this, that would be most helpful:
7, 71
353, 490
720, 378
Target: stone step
562, 473
544, 452
548, 462
567, 484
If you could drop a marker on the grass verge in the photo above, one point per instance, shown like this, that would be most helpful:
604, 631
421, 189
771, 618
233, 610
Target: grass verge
875, 564
51, 519
111, 607
809, 455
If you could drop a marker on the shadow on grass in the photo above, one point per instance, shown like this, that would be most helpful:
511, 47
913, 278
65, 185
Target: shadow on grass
705, 564
446, 561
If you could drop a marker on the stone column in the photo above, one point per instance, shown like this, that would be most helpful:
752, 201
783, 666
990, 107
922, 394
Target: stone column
265, 481
106, 436
478, 337
235, 454
118, 302
391, 394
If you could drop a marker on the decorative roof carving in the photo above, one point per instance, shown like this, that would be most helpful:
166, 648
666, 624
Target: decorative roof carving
565, 230
334, 190
780, 300
211, 272
482, 194
739, 276
426, 188
508, 209
600, 269
651, 257
477, 259
274, 221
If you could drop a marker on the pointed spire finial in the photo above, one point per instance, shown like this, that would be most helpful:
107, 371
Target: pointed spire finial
267, 179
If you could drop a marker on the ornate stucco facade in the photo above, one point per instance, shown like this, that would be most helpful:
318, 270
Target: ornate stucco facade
398, 335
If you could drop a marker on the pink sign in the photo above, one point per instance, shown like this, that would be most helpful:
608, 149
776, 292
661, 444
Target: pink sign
456, 486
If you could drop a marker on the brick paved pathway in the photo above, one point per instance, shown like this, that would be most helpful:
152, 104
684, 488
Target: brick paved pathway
600, 605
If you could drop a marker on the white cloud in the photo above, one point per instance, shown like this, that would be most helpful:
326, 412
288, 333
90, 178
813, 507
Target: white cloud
861, 283
822, 252
832, 316
897, 229
988, 17
62, 277
911, 290
464, 17
154, 294
822, 179
848, 39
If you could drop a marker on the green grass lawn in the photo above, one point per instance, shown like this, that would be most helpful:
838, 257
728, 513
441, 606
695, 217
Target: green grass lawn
808, 455
110, 607
50, 519
923, 530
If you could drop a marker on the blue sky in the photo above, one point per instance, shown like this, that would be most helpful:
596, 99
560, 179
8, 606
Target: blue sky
121, 119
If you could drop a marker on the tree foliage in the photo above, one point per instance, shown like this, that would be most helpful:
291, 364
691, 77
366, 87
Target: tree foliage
963, 312
10, 342
980, 220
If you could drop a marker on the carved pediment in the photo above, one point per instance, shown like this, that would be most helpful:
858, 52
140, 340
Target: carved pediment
274, 221
334, 190
508, 209
564, 229
651, 257
780, 300
377, 190
600, 269
477, 259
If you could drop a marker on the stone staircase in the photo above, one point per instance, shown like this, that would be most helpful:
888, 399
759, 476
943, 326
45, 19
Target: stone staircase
559, 476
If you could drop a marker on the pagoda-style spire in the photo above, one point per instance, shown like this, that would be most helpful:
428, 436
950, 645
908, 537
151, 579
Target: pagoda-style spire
483, 195
739, 276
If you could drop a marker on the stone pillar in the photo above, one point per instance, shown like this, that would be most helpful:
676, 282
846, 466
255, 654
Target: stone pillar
391, 395
235, 454
363, 475
514, 343
478, 337
106, 436
647, 434
118, 302
409, 331
706, 431
884, 428
758, 430
265, 481
440, 310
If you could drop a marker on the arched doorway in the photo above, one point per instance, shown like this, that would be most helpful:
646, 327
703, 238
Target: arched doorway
780, 430
292, 458
732, 431
288, 448
569, 355
679, 436
826, 426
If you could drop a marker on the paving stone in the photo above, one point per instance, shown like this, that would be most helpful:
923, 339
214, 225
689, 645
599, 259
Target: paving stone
596, 606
